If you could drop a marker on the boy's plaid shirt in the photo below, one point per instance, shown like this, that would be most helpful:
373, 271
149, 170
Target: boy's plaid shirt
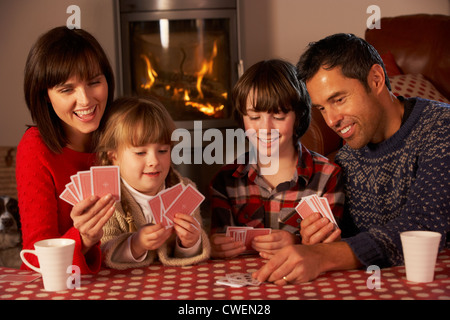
241, 197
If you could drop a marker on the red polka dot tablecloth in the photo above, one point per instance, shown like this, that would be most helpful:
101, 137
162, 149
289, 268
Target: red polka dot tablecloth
198, 282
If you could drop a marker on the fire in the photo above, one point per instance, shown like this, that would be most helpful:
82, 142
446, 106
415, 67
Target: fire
200, 76
150, 72
180, 93
207, 108
207, 67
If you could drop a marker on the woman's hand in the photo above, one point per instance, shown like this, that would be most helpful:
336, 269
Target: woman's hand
89, 216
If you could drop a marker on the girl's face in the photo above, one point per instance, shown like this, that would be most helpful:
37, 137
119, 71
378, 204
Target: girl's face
263, 122
80, 105
144, 168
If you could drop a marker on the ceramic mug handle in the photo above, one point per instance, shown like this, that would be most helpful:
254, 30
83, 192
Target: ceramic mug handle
22, 253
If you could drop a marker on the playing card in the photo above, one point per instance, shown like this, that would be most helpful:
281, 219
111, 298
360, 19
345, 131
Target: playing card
84, 180
237, 233
168, 196
104, 180
237, 279
311, 204
227, 282
67, 196
252, 233
245, 278
304, 209
19, 277
70, 186
156, 207
328, 213
315, 202
76, 183
185, 203
246, 235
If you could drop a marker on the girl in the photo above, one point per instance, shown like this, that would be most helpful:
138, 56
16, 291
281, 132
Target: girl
68, 85
137, 137
268, 96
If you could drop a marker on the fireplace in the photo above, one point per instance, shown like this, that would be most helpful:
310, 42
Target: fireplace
183, 52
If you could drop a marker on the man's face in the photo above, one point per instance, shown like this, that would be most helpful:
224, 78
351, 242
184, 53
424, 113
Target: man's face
347, 107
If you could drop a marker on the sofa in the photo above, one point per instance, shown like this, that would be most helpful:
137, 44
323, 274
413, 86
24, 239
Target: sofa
416, 52
415, 45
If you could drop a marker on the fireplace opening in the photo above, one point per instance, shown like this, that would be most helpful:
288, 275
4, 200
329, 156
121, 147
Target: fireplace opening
185, 64
183, 52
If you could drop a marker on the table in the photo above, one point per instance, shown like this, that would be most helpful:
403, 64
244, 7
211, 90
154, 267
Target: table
198, 282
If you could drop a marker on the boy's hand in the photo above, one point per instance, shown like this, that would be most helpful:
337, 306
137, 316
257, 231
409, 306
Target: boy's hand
273, 242
225, 247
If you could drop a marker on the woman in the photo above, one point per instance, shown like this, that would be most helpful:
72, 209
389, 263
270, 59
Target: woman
68, 85
274, 108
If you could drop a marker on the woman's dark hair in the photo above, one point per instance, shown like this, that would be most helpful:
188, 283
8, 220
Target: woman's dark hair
353, 55
55, 57
276, 89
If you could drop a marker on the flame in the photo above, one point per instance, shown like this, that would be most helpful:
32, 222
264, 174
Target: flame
207, 67
207, 108
150, 72
200, 76
184, 94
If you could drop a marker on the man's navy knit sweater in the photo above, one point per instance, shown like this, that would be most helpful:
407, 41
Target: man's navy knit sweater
402, 183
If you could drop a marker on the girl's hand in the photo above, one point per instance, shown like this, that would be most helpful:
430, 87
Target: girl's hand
148, 237
316, 229
225, 247
273, 242
89, 216
187, 229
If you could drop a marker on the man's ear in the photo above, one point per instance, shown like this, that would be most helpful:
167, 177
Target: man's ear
376, 78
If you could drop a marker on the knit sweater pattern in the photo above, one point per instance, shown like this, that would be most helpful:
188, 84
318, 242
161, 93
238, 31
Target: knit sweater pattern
397, 185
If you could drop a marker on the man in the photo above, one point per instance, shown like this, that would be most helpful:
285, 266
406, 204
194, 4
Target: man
396, 163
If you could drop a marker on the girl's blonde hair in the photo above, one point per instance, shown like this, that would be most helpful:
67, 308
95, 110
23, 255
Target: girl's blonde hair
134, 122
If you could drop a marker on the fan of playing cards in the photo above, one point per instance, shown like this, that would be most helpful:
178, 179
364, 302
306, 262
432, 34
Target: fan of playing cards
246, 235
99, 181
311, 204
177, 199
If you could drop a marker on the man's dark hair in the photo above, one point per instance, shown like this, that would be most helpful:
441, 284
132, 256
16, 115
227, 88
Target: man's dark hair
353, 55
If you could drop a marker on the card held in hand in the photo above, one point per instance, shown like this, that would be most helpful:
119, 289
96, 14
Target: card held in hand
185, 203
98, 181
105, 180
315, 204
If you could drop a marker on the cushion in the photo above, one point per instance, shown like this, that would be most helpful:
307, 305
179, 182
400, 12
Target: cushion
390, 65
415, 85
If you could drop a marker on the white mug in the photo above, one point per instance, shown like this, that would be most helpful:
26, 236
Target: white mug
54, 256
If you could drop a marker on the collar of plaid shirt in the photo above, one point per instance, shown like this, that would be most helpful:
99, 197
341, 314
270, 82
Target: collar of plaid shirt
304, 171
